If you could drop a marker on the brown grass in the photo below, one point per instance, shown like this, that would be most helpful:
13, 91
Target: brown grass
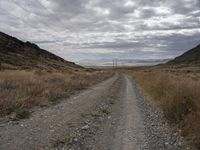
177, 96
21, 89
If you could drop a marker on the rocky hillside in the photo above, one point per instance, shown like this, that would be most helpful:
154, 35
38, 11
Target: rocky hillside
18, 55
191, 57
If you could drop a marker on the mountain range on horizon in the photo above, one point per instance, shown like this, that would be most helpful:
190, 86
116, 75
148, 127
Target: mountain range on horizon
18, 55
122, 62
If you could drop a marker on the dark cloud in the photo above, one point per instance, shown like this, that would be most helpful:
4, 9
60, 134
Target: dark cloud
77, 29
148, 13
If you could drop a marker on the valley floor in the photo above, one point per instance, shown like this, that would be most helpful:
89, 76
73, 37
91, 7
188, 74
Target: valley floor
113, 115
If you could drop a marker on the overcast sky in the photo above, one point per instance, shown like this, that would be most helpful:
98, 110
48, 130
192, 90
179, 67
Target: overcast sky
96, 29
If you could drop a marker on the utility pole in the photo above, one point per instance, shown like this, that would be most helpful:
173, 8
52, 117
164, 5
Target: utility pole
114, 64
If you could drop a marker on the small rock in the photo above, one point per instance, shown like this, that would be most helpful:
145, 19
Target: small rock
85, 127
175, 134
179, 144
50, 127
13, 116
166, 143
113, 123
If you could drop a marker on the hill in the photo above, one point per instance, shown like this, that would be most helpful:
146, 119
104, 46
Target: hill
19, 55
191, 57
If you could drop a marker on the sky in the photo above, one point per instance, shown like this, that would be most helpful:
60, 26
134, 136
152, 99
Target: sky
105, 29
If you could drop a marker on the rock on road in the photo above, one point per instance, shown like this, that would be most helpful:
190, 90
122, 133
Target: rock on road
113, 115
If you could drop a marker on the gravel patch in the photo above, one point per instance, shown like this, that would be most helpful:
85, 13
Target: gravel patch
158, 133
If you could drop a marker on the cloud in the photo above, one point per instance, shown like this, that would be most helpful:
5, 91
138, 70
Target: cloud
81, 29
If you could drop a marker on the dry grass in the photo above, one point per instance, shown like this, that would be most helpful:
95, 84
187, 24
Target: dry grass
177, 96
21, 89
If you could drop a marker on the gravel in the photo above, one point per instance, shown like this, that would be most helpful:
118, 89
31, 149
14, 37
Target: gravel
158, 133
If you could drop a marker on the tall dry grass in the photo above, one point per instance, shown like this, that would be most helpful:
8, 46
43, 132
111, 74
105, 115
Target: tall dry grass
178, 97
21, 89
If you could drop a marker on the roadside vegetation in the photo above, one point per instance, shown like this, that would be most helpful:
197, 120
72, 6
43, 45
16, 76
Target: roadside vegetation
22, 90
177, 94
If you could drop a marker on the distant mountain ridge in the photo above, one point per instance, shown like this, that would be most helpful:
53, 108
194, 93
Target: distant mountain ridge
191, 57
18, 55
122, 62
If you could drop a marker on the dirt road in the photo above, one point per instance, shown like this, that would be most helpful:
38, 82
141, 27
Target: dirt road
130, 133
112, 115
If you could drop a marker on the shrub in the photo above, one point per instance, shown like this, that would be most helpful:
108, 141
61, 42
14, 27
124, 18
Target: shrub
22, 113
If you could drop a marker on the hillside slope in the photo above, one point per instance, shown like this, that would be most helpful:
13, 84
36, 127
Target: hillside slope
191, 57
18, 55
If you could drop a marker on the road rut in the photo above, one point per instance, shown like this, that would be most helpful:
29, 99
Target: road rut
130, 133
